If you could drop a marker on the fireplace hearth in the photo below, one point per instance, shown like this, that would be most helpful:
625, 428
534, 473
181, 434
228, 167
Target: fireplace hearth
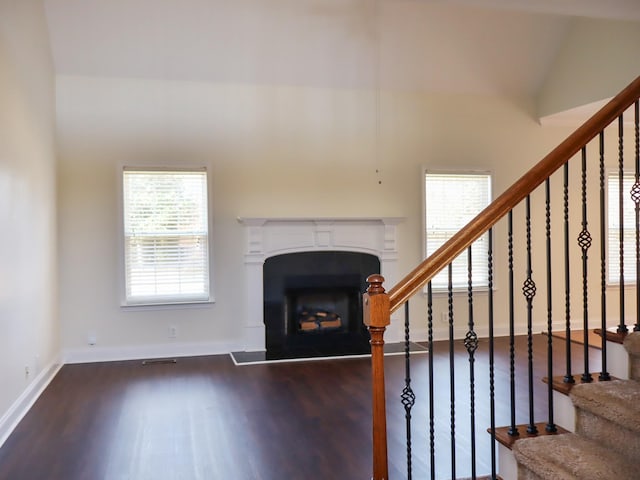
313, 303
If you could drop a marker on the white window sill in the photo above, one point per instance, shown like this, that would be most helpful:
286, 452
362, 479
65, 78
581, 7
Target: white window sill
167, 305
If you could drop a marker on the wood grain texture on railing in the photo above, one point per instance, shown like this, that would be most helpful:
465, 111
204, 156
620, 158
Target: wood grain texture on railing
376, 314
424, 272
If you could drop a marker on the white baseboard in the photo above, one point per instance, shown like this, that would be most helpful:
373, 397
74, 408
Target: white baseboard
25, 401
141, 352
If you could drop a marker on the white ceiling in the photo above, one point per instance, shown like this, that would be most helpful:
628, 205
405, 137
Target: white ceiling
462, 46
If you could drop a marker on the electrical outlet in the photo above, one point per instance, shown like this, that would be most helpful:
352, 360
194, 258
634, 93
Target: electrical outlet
173, 331
27, 371
444, 317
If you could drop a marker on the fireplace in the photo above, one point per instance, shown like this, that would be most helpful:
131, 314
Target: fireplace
271, 238
313, 303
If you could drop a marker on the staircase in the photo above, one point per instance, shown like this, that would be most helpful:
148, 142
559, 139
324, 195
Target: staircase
562, 257
607, 432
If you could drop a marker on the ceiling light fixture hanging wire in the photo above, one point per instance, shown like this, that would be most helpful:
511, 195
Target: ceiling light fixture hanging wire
376, 86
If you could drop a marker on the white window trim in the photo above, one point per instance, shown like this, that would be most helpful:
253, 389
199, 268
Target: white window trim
121, 283
457, 290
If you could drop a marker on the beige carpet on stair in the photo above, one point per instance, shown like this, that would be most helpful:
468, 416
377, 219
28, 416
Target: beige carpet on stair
570, 457
617, 400
609, 412
606, 441
632, 344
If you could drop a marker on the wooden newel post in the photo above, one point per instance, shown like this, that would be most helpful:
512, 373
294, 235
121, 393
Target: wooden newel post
377, 315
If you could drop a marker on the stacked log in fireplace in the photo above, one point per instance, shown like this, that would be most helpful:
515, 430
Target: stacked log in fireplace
317, 320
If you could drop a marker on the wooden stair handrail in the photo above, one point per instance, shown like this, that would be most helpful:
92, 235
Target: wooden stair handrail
560, 155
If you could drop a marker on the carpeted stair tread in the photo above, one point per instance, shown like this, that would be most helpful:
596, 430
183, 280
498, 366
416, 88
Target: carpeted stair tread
615, 401
571, 457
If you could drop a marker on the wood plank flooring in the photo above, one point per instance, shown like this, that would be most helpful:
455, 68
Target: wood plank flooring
204, 418
577, 336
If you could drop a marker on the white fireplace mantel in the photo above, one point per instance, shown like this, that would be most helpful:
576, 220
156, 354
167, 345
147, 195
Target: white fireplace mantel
266, 237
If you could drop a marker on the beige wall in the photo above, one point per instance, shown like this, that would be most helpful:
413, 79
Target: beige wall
272, 151
28, 310
597, 59
297, 151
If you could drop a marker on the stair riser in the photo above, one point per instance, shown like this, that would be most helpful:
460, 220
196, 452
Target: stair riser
507, 465
565, 412
618, 360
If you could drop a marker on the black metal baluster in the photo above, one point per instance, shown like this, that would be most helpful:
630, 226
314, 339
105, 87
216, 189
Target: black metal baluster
529, 291
551, 426
471, 344
408, 397
452, 383
432, 443
604, 374
492, 397
635, 196
584, 241
622, 327
513, 429
568, 377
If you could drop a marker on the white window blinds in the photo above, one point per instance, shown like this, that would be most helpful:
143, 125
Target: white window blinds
614, 231
451, 201
166, 251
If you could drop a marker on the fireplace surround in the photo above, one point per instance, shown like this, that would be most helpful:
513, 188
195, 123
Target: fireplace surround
273, 237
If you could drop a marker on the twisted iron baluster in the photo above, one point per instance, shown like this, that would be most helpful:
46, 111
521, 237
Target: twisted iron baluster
635, 196
408, 398
492, 397
584, 241
432, 443
529, 291
513, 429
604, 374
568, 377
622, 327
471, 344
551, 426
452, 389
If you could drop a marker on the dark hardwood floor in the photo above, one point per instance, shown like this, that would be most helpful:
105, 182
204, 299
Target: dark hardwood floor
204, 418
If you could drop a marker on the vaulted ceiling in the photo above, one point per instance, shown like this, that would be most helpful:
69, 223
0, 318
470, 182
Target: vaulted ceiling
503, 47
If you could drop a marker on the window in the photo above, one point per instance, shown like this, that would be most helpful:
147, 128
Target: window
166, 247
613, 228
451, 201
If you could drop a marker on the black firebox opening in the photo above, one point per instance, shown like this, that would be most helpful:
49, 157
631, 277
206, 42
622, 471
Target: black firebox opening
320, 310
313, 304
